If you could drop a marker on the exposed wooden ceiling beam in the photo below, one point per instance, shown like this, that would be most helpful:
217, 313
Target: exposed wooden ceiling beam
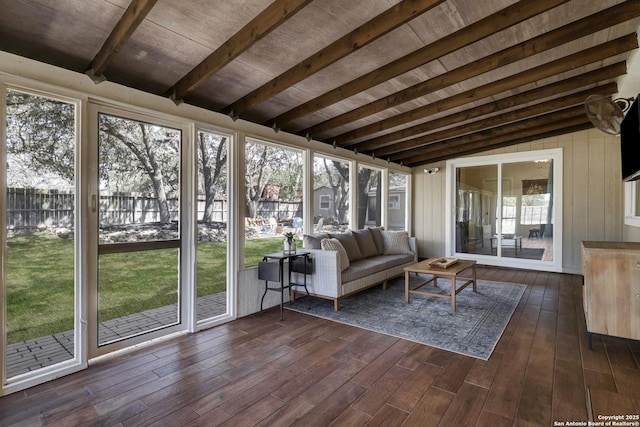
485, 27
488, 138
128, 23
270, 18
557, 129
534, 46
597, 53
493, 121
385, 22
378, 145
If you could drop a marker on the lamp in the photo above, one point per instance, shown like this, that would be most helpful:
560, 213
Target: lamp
431, 171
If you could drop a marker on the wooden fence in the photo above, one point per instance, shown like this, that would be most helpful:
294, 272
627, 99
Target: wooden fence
279, 209
29, 209
32, 208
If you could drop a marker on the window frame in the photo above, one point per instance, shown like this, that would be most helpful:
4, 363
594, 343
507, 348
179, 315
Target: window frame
79, 361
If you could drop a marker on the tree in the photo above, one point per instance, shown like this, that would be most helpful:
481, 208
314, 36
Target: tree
266, 165
134, 156
367, 179
212, 157
127, 145
40, 139
335, 175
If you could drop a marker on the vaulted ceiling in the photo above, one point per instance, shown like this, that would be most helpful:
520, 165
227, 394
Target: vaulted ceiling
411, 81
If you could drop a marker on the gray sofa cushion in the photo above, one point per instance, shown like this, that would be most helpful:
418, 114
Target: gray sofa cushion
368, 266
362, 268
349, 243
366, 243
312, 241
377, 238
396, 243
390, 261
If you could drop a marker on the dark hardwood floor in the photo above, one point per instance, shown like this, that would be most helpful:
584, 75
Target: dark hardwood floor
312, 372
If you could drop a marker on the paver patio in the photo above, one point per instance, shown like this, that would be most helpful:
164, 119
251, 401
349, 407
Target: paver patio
26, 356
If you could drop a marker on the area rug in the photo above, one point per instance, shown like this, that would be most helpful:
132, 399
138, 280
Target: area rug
472, 330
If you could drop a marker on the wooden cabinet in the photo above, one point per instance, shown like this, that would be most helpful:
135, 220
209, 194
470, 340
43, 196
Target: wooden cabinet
611, 291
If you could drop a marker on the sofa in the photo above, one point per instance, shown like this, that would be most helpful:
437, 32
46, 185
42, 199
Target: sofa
349, 262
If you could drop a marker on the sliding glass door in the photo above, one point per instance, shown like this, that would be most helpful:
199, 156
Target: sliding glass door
505, 207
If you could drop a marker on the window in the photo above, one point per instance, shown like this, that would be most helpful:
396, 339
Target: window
398, 208
534, 209
331, 180
272, 197
213, 209
508, 215
325, 201
140, 228
394, 201
369, 196
41, 324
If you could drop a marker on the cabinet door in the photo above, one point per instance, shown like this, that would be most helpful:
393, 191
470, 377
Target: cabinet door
613, 308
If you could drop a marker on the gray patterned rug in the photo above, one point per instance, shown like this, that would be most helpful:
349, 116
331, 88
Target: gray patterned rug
473, 329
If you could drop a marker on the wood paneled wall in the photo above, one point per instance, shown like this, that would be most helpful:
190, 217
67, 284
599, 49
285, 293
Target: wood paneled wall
592, 187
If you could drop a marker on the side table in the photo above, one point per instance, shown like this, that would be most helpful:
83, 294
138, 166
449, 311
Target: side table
273, 271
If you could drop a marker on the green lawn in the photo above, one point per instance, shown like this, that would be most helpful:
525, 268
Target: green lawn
40, 295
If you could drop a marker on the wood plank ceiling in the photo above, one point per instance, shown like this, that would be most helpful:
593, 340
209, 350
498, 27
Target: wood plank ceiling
411, 81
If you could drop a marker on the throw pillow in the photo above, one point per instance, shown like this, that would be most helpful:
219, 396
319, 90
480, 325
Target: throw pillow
349, 243
335, 245
396, 243
366, 243
312, 241
377, 238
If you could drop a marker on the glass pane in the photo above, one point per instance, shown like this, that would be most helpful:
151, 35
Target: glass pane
273, 198
39, 268
636, 188
476, 204
398, 201
139, 181
138, 283
331, 194
369, 195
212, 225
138, 293
528, 210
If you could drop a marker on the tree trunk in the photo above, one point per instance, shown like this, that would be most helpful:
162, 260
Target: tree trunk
155, 173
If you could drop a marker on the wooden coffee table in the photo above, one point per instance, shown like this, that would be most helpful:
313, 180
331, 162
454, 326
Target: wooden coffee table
450, 272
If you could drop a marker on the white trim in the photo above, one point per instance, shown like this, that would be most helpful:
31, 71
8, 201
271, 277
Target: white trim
384, 203
189, 228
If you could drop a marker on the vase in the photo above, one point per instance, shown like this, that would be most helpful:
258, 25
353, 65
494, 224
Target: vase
289, 247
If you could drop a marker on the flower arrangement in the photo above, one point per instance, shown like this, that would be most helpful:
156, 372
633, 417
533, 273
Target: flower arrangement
289, 237
289, 243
